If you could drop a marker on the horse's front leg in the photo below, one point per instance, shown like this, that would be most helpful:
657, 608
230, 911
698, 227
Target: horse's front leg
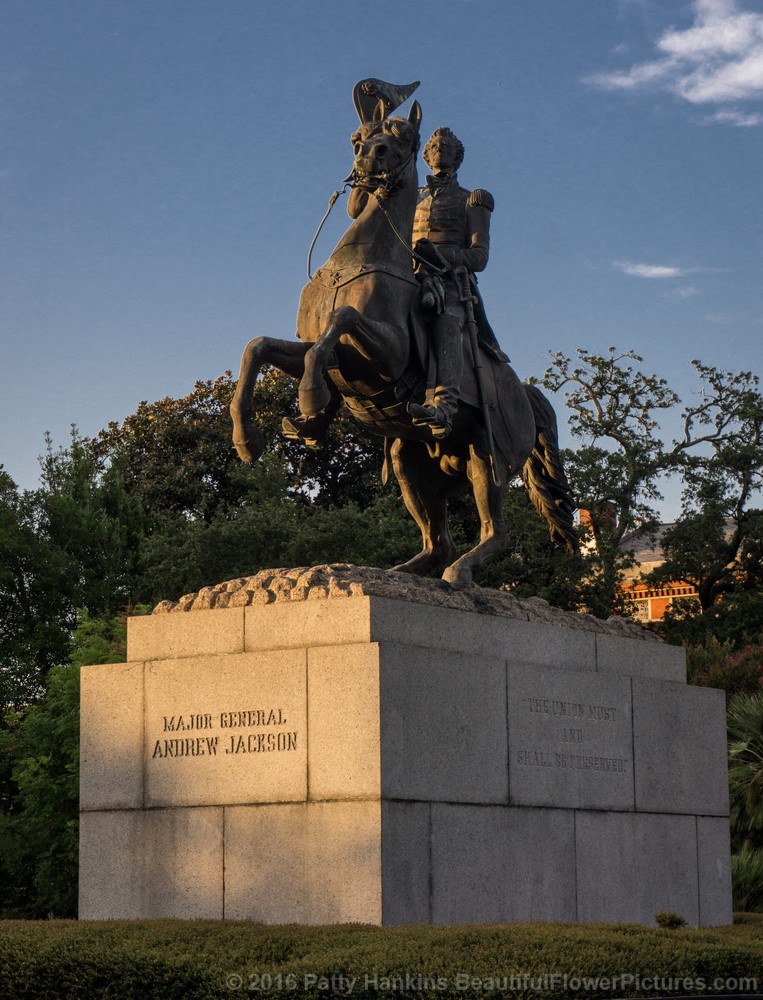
373, 339
287, 356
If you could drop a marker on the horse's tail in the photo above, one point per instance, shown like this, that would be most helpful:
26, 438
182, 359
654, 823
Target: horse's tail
544, 476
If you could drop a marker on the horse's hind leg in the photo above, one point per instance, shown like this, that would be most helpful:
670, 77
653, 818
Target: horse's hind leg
289, 357
425, 491
493, 535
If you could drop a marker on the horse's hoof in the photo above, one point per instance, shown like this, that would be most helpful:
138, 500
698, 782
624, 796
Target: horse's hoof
250, 448
419, 566
459, 579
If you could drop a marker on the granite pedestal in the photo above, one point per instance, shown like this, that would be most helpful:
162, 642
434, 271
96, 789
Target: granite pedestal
380, 761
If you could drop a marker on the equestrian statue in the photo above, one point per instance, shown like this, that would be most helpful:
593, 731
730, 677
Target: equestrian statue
397, 332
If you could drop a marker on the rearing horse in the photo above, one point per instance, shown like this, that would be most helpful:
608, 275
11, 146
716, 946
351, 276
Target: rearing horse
360, 327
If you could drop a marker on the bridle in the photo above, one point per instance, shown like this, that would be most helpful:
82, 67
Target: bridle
387, 182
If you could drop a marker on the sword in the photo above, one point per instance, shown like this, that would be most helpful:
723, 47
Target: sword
461, 278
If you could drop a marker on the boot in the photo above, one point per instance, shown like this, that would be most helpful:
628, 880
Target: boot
447, 342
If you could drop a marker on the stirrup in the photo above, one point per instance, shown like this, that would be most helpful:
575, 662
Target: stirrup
309, 431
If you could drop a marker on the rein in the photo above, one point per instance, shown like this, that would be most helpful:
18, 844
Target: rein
332, 202
421, 260
386, 185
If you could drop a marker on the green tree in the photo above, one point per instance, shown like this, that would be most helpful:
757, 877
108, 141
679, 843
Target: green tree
209, 517
39, 758
178, 458
723, 559
616, 473
85, 514
35, 612
273, 529
717, 543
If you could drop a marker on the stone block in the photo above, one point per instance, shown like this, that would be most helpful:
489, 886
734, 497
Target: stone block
714, 858
570, 739
481, 635
343, 722
151, 864
542, 645
443, 726
679, 735
314, 863
192, 633
405, 863
372, 759
223, 730
302, 624
353, 620
111, 736
495, 864
637, 658
631, 865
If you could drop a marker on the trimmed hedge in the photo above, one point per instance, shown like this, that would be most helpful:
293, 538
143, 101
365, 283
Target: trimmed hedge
197, 960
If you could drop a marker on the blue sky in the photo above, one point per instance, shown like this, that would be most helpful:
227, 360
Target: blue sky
164, 165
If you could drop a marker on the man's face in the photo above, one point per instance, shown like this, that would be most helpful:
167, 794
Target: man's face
441, 155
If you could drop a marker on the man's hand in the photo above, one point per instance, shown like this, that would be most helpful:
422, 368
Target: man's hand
433, 293
428, 252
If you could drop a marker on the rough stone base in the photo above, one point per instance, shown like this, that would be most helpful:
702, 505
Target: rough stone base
380, 760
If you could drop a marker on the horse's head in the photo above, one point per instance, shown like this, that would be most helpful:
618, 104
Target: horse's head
385, 148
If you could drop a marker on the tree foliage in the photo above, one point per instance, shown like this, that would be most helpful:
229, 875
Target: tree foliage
177, 456
615, 413
720, 665
717, 544
35, 612
210, 517
39, 778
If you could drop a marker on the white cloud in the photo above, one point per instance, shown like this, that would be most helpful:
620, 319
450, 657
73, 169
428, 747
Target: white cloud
685, 291
649, 270
719, 58
732, 116
721, 319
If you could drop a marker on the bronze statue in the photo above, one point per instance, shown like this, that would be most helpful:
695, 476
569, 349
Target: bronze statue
363, 339
451, 228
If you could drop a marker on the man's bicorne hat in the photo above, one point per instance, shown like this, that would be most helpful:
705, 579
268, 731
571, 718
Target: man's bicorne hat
367, 93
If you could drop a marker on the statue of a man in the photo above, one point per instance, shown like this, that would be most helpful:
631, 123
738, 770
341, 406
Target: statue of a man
451, 226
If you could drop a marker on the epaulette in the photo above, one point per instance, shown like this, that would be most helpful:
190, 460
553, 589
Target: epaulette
481, 199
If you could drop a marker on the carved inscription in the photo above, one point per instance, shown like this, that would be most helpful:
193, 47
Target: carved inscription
576, 720
224, 733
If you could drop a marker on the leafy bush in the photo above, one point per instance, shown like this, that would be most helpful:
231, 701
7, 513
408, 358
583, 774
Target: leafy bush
149, 960
747, 878
745, 729
717, 665
669, 920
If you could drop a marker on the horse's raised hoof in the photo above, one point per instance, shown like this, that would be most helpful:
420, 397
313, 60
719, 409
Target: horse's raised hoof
249, 446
